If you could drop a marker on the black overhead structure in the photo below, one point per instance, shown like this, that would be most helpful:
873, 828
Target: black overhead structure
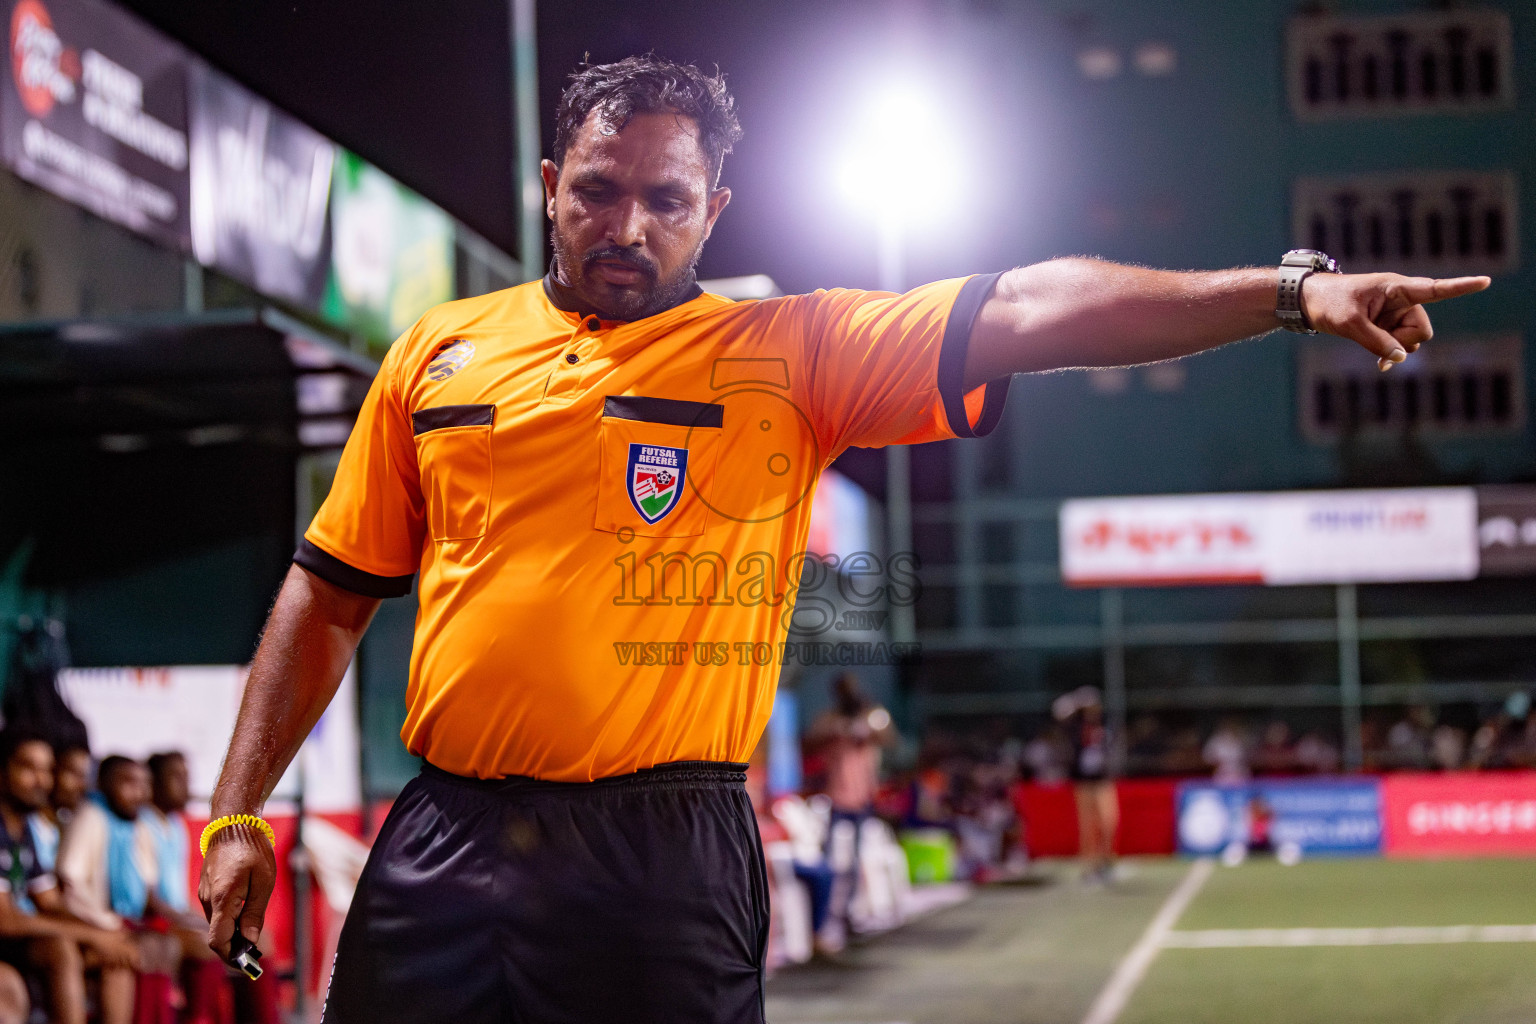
124, 441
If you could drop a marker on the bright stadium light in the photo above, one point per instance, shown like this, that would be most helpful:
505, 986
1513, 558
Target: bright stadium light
901, 164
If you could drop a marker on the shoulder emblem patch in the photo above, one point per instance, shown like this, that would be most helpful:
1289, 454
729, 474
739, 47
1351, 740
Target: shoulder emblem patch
655, 477
450, 359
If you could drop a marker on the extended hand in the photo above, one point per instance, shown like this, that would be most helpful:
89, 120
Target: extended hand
238, 875
1383, 313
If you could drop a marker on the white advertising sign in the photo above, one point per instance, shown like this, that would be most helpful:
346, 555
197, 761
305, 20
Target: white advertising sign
1282, 538
191, 708
1385, 536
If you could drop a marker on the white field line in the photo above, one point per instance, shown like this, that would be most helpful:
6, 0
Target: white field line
1248, 938
1116, 993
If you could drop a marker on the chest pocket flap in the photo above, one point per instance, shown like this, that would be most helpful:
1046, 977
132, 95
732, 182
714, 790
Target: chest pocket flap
453, 450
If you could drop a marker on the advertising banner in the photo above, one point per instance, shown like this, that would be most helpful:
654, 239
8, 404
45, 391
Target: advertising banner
1460, 814
261, 186
1506, 531
93, 108
191, 708
391, 252
1293, 537
1203, 538
1315, 817
1380, 536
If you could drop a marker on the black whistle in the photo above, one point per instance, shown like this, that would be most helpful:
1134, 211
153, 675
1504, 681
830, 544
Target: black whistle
243, 956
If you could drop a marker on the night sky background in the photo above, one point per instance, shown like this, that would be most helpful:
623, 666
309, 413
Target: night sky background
423, 90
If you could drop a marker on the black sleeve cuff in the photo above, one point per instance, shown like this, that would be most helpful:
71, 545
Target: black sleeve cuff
333, 570
957, 335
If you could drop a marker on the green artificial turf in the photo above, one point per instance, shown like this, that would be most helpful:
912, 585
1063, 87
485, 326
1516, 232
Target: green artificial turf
1453, 984
1367, 893
1469, 983
1041, 953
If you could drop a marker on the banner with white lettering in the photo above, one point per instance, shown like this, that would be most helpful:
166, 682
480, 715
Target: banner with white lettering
93, 108
1460, 814
1287, 537
1331, 816
191, 708
261, 187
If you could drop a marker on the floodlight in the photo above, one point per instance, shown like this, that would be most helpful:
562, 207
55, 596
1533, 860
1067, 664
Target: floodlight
901, 162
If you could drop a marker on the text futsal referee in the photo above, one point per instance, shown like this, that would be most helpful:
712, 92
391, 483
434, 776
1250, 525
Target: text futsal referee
611, 457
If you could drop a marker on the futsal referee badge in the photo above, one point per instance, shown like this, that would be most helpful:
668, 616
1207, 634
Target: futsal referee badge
656, 474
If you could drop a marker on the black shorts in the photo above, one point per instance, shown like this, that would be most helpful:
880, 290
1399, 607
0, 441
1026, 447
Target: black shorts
634, 899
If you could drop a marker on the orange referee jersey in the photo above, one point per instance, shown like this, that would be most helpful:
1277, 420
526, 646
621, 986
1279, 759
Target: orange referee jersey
605, 516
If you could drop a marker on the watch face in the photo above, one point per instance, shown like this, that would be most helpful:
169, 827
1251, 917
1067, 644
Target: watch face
1314, 258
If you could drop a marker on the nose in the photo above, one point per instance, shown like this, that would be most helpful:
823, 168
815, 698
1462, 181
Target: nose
627, 226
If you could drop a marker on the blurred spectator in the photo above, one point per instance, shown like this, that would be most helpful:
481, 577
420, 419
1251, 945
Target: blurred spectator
167, 823
1275, 754
1081, 713
1227, 754
849, 736
37, 933
1408, 739
1447, 747
107, 856
1046, 756
1499, 741
1317, 753
986, 822
931, 805
71, 782
107, 860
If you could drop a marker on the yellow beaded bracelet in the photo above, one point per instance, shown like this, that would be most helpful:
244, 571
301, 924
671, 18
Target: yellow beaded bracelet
236, 819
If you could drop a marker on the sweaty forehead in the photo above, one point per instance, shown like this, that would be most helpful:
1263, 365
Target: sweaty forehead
659, 143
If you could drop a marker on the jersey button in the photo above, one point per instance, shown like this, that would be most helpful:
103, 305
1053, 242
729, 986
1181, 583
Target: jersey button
592, 323
572, 358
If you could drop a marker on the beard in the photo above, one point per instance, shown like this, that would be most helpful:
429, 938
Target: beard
647, 297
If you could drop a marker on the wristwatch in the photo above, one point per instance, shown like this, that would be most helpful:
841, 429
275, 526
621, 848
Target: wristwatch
1294, 268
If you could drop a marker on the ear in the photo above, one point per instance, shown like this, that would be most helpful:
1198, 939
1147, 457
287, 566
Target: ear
718, 199
551, 175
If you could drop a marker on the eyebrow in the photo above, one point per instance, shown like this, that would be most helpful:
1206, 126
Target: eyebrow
672, 186
680, 189
591, 178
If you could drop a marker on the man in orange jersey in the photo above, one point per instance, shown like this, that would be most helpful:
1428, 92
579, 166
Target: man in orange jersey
600, 481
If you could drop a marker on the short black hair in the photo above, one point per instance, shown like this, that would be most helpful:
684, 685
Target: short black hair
69, 746
14, 737
643, 85
160, 762
111, 765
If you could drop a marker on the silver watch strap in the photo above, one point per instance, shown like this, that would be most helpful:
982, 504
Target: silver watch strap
1288, 299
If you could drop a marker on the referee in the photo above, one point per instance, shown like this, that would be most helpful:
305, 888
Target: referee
600, 482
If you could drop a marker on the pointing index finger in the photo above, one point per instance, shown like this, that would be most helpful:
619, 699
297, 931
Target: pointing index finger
1431, 289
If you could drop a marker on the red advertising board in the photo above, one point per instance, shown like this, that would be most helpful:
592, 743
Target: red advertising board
1146, 817
1459, 814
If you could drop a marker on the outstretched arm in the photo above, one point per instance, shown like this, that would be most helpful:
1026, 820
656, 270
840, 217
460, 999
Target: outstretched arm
1088, 313
309, 639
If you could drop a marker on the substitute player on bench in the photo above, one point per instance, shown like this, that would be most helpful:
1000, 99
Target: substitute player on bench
600, 482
